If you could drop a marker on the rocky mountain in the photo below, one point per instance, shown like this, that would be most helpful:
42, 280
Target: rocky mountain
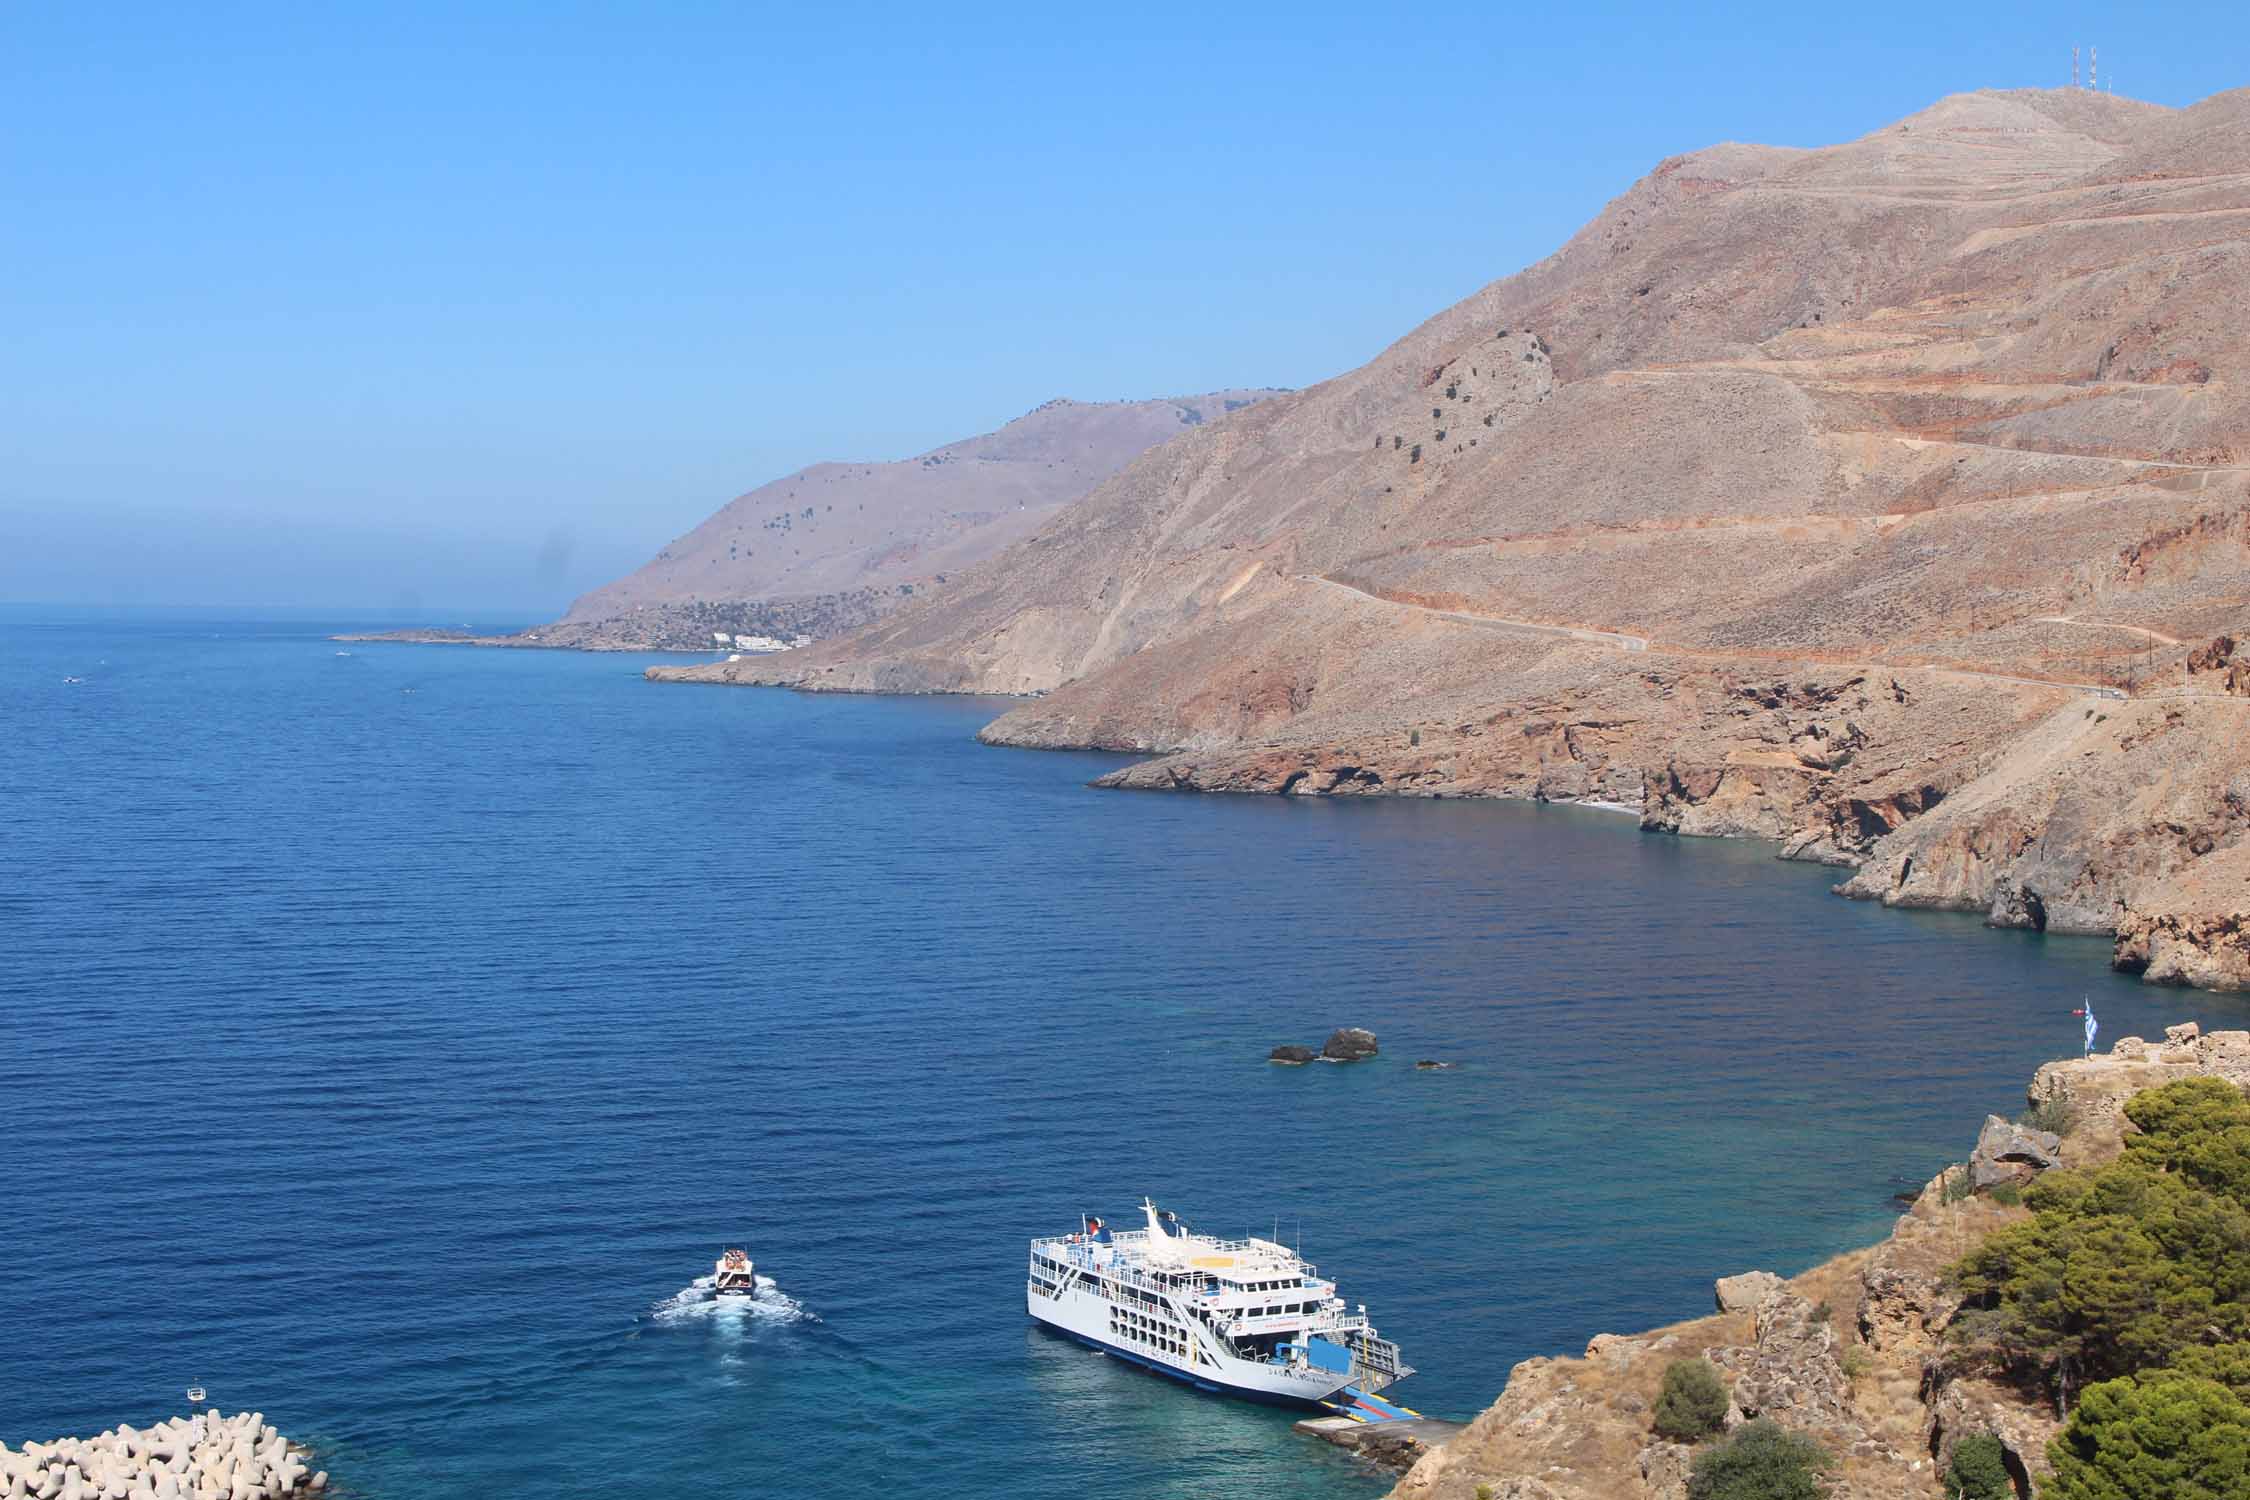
839, 544
1889, 499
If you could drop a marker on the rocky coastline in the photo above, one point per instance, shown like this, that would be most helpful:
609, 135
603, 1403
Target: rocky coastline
1846, 1352
2031, 806
206, 1456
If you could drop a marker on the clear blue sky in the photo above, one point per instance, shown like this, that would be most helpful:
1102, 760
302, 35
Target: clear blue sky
473, 306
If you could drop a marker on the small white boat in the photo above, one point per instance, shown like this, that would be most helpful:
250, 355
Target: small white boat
734, 1275
73, 681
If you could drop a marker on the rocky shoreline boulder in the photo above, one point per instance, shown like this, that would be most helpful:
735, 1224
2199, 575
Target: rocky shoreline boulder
1743, 1293
2008, 1152
1291, 1054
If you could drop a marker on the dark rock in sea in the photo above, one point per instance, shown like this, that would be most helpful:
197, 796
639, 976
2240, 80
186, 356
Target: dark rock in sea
1291, 1054
1430, 1065
1348, 1044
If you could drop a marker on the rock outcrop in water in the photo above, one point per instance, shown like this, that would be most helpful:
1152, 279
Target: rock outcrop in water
1846, 1351
205, 1457
1349, 1044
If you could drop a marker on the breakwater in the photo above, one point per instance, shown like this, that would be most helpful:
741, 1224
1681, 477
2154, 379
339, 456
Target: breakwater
202, 1457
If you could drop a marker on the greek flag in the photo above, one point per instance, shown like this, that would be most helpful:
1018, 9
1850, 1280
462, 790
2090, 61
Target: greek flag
2092, 1026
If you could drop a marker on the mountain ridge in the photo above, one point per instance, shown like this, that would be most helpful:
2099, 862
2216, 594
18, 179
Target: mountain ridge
905, 522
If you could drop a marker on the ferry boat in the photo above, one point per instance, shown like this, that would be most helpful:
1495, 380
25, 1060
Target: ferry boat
1241, 1317
734, 1275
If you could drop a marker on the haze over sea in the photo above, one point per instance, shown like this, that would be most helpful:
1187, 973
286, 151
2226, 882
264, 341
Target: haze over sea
394, 1034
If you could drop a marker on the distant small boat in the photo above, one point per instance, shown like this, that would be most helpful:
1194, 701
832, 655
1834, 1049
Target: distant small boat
343, 653
734, 1275
74, 679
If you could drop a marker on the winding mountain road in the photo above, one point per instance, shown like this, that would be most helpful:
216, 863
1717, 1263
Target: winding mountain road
1491, 622
1626, 642
2139, 630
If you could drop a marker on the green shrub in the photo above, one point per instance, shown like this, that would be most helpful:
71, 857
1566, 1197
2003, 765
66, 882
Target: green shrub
2154, 1437
2054, 1114
1958, 1185
2007, 1193
1979, 1470
2124, 1269
2199, 1128
1855, 1363
2228, 1364
1692, 1403
1762, 1461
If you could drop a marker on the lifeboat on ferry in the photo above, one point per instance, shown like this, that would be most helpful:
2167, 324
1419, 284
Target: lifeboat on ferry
735, 1275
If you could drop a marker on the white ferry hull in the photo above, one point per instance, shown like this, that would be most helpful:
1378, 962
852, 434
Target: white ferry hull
1082, 1316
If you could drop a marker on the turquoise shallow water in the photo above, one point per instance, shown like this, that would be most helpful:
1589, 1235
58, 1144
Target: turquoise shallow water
390, 1038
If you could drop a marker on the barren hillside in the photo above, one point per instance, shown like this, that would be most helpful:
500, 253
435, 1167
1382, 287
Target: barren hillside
1837, 496
841, 541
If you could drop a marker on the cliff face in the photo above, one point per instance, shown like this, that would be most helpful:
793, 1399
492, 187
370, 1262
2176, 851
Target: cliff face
1861, 1378
1835, 496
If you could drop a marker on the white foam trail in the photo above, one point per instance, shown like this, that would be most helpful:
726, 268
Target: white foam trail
699, 1301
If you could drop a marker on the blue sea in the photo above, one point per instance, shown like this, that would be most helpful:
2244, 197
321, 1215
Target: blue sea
391, 1035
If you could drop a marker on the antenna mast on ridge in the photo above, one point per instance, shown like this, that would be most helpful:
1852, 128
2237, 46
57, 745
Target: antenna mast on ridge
2094, 69
2074, 67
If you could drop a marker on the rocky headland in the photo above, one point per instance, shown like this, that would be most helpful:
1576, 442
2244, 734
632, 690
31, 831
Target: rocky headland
201, 1457
836, 546
1850, 1352
1888, 500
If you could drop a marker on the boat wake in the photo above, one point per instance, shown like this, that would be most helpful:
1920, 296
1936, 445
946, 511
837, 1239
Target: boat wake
700, 1302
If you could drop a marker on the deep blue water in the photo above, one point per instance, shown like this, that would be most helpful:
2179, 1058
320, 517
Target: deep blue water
388, 1038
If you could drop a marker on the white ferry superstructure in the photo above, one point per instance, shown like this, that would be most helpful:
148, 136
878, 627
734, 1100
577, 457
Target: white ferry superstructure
1245, 1317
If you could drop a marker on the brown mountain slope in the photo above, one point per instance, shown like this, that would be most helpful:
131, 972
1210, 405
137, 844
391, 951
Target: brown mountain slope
854, 539
1877, 462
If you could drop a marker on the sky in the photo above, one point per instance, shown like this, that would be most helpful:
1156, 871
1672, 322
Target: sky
472, 307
